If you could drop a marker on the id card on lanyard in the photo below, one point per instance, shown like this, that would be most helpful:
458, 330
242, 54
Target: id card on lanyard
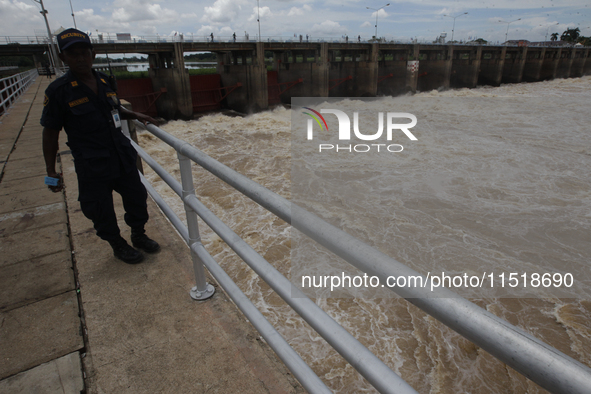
116, 118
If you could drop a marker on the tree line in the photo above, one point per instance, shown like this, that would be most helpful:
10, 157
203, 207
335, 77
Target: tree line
573, 36
194, 57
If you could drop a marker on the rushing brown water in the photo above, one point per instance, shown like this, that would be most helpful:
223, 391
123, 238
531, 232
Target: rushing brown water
525, 218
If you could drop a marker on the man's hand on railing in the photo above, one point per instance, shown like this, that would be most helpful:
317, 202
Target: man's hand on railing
145, 119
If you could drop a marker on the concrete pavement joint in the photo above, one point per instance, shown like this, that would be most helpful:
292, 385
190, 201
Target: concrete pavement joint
28, 304
83, 329
10, 308
19, 132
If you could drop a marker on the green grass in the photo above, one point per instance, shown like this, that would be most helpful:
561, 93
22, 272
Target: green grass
10, 73
121, 75
130, 74
202, 71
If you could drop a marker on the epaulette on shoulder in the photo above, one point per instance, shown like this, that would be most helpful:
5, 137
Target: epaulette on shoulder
103, 77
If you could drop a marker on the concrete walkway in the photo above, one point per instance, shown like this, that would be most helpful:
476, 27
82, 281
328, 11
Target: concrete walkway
73, 318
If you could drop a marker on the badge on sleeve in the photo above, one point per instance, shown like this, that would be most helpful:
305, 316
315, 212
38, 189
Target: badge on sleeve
113, 97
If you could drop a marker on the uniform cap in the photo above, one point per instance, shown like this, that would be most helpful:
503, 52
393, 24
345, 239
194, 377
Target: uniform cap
70, 37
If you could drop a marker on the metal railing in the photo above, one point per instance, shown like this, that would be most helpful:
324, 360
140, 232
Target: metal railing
12, 87
111, 38
536, 360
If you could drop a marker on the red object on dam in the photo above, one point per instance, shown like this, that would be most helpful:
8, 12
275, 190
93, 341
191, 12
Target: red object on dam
140, 94
207, 93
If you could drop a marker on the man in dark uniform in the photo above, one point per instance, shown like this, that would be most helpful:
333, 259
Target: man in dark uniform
83, 103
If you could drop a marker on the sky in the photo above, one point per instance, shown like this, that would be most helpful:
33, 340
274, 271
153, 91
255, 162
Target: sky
423, 20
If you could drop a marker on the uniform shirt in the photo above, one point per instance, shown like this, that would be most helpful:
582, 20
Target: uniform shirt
99, 148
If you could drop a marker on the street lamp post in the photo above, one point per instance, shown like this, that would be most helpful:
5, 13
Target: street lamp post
74, 19
454, 26
508, 23
259, 19
377, 12
53, 58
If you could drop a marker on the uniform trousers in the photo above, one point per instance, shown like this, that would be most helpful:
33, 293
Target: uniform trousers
96, 202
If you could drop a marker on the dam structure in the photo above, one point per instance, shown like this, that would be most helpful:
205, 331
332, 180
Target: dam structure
110, 327
251, 76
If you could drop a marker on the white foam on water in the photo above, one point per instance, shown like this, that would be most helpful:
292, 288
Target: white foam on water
479, 185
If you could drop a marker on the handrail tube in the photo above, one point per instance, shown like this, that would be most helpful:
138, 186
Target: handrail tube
167, 210
302, 371
260, 194
166, 177
15, 85
202, 289
546, 366
361, 358
286, 353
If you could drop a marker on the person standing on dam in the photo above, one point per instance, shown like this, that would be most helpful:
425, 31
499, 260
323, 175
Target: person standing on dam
47, 70
83, 103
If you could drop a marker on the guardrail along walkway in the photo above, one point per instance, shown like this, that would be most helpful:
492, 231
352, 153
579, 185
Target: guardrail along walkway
73, 317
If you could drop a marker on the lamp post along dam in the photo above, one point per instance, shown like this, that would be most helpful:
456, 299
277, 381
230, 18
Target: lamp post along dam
249, 80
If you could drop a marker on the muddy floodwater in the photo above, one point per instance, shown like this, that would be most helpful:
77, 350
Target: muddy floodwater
498, 177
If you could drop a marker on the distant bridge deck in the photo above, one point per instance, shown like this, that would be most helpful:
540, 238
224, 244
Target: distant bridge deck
33, 46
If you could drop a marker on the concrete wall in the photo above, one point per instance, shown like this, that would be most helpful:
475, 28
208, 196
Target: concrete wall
392, 85
314, 77
314, 74
435, 67
465, 67
357, 70
549, 65
492, 62
392, 72
514, 65
363, 69
578, 66
564, 63
167, 70
587, 66
534, 61
252, 74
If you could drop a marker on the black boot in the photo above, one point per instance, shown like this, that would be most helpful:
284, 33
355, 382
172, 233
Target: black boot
140, 240
126, 253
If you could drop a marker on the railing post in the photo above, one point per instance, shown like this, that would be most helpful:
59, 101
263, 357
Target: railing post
202, 289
